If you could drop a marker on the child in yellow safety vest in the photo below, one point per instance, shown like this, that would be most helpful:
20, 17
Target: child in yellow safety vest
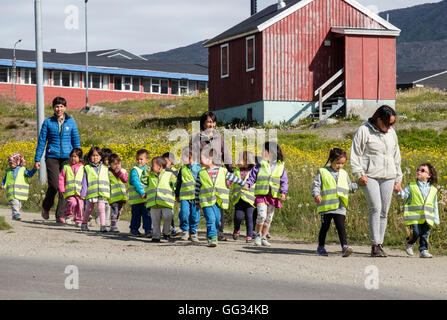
70, 185
421, 208
244, 201
212, 193
160, 197
95, 188
16, 183
118, 193
271, 188
330, 190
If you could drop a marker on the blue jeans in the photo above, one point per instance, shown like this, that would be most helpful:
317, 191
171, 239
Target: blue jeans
189, 216
421, 231
212, 216
140, 212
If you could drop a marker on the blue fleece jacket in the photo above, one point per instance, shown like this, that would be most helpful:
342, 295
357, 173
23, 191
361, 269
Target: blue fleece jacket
58, 145
135, 180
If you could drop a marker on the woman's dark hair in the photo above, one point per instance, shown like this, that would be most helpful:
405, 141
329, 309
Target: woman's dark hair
159, 160
384, 113
106, 152
59, 100
336, 153
93, 149
77, 151
114, 158
433, 174
204, 117
274, 151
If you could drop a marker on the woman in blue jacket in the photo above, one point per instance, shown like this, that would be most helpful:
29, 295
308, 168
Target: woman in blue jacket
60, 135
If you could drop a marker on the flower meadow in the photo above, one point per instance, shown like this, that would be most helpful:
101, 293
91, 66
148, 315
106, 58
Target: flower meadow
298, 218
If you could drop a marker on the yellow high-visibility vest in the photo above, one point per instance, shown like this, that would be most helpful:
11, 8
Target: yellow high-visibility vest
332, 192
17, 188
238, 193
98, 184
217, 192
269, 181
420, 211
160, 192
73, 184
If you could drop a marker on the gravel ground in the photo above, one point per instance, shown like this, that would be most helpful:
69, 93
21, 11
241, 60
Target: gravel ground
285, 260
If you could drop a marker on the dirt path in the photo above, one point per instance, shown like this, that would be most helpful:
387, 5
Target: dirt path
286, 260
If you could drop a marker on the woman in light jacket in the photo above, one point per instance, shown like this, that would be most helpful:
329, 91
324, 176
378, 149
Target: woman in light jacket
375, 163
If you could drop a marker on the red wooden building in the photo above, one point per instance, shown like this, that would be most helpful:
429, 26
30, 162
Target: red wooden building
278, 64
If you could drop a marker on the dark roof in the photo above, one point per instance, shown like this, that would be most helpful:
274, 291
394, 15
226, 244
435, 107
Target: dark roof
411, 77
254, 21
102, 61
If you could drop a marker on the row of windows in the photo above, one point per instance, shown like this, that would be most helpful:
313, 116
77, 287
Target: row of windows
58, 78
249, 57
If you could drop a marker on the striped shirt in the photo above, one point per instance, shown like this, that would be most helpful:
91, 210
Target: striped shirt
230, 177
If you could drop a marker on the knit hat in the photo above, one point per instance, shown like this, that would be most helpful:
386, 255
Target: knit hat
16, 159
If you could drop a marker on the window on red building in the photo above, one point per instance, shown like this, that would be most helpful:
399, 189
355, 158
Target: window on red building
250, 53
224, 61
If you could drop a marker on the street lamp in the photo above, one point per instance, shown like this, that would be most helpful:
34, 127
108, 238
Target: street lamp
86, 60
14, 70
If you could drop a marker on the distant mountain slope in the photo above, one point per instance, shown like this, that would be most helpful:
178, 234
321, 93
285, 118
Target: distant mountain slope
422, 44
425, 22
194, 53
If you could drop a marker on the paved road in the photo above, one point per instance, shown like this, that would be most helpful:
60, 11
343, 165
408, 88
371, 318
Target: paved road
35, 254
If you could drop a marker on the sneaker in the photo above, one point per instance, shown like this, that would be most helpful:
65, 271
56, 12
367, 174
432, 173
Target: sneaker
346, 251
103, 229
166, 237
248, 239
60, 220
212, 242
114, 229
16, 217
384, 254
176, 232
45, 214
185, 235
78, 224
321, 250
84, 227
236, 234
155, 240
265, 243
425, 254
221, 236
409, 249
257, 241
69, 221
135, 233
148, 235
194, 238
375, 251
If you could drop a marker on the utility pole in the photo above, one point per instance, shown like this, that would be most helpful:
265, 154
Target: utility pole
14, 69
39, 81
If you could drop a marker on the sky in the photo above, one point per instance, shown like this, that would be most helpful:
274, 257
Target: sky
139, 26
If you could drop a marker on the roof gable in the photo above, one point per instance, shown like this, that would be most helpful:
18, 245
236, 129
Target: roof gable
271, 15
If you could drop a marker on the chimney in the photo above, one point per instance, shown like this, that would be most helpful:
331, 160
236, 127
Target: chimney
254, 7
53, 50
281, 4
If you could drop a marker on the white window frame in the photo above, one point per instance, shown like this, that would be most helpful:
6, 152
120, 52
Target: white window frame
178, 87
8, 75
28, 73
186, 87
161, 81
247, 69
226, 45
147, 80
153, 83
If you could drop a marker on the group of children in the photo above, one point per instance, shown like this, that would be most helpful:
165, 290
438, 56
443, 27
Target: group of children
255, 189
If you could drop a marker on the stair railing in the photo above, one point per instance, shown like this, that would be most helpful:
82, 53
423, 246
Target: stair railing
319, 91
